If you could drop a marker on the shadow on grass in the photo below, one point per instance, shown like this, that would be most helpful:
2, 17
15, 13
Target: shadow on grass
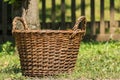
11, 69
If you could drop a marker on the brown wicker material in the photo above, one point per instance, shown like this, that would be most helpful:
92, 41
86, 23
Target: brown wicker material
47, 52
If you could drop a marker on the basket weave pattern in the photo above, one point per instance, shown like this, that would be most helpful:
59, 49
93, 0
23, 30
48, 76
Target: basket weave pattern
47, 52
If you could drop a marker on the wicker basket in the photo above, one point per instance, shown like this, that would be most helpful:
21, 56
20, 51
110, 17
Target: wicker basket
47, 52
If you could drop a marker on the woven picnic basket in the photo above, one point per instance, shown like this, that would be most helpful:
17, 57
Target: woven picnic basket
47, 52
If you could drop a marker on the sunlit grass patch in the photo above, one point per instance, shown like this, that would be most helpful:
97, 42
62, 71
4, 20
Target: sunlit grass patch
98, 60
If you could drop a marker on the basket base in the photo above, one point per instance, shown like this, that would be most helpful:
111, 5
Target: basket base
46, 73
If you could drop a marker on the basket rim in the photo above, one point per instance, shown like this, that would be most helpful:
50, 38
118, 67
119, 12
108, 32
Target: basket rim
48, 31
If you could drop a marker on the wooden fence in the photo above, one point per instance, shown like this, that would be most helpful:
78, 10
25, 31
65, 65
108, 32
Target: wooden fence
99, 30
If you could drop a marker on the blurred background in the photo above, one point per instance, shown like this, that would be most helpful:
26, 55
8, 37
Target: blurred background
103, 18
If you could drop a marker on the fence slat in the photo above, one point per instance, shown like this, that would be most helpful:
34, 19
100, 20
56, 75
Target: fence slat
53, 14
73, 9
63, 14
93, 30
82, 7
4, 20
112, 16
43, 11
0, 16
102, 27
53, 10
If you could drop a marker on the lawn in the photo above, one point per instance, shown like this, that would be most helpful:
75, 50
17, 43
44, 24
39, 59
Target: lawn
96, 60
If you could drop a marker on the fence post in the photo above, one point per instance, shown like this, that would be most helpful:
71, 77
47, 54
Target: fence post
93, 30
63, 14
53, 14
4, 20
73, 9
112, 25
102, 27
43, 13
82, 7
0, 16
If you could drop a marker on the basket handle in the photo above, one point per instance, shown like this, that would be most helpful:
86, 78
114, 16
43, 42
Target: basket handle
81, 20
22, 20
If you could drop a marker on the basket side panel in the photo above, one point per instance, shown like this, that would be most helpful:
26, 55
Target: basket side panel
43, 54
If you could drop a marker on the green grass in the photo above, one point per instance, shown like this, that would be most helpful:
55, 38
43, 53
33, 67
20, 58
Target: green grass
96, 60
99, 60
